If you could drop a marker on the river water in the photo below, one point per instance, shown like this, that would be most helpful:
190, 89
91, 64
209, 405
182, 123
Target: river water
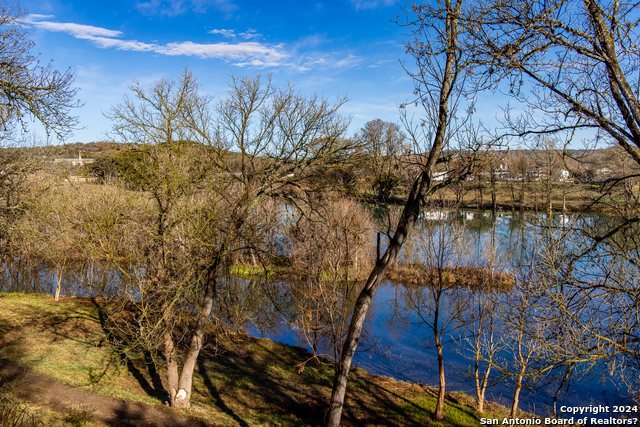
402, 348
398, 349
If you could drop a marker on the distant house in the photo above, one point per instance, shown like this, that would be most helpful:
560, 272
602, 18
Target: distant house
533, 174
563, 175
439, 176
75, 162
434, 215
605, 173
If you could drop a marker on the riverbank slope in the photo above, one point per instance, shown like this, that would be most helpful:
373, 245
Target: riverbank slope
59, 363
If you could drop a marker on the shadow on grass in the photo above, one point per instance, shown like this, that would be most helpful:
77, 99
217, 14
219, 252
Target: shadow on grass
119, 342
252, 381
132, 415
219, 402
256, 376
397, 408
88, 327
256, 380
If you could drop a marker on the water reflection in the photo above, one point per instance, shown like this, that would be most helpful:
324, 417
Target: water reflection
396, 349
27, 275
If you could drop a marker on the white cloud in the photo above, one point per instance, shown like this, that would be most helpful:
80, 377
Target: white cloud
178, 7
35, 17
76, 30
247, 35
225, 50
250, 34
372, 4
249, 53
223, 32
349, 61
131, 45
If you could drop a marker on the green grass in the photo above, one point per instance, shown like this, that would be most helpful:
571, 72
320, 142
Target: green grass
242, 381
245, 271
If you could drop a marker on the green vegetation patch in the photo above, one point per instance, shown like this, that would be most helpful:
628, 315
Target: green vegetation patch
246, 271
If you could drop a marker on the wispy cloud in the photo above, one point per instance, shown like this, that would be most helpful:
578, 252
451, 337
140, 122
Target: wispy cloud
250, 34
380, 63
247, 35
223, 32
178, 7
372, 4
77, 30
249, 53
270, 54
332, 60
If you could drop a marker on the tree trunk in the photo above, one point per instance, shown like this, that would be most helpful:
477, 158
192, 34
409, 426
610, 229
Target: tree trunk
493, 190
481, 392
409, 216
58, 284
171, 357
516, 392
441, 391
565, 378
418, 196
481, 383
59, 271
183, 395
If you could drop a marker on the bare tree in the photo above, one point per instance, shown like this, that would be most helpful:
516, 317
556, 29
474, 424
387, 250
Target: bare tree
330, 250
205, 177
574, 55
28, 88
573, 66
480, 324
438, 302
483, 339
439, 80
524, 343
168, 165
383, 144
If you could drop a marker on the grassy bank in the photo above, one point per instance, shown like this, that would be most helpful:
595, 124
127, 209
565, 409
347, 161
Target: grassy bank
240, 380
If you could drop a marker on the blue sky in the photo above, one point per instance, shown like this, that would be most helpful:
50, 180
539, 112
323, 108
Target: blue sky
334, 48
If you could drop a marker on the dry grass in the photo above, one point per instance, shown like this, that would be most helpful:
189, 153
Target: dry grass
413, 275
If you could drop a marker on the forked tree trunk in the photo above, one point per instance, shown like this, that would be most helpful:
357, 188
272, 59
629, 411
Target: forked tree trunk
180, 386
481, 383
481, 392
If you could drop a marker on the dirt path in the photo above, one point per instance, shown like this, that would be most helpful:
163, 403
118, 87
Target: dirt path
43, 391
